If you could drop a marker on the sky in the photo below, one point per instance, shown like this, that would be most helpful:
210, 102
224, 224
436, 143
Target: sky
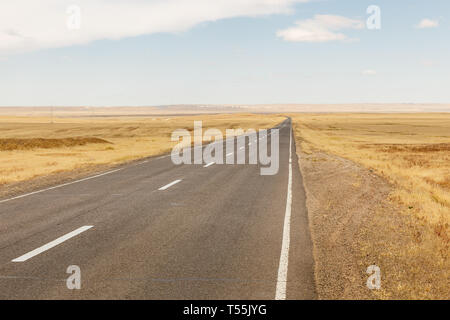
155, 52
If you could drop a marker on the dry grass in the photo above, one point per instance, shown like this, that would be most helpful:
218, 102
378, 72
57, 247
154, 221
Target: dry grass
33, 146
40, 143
412, 152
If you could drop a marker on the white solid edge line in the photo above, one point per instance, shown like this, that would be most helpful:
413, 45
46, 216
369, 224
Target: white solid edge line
284, 256
59, 186
229, 154
52, 244
209, 164
169, 185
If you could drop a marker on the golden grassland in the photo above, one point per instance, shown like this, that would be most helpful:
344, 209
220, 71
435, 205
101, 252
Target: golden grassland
412, 152
37, 146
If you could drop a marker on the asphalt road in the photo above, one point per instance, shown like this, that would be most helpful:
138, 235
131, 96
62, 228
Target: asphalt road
155, 230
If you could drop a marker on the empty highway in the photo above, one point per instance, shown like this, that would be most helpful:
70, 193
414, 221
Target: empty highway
156, 230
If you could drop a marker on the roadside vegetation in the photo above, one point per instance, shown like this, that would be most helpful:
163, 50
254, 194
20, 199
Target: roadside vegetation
32, 147
409, 240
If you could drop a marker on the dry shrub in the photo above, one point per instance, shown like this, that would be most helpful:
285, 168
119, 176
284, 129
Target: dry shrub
41, 143
426, 148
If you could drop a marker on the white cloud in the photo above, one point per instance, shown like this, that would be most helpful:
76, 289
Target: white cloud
29, 25
427, 23
369, 72
321, 28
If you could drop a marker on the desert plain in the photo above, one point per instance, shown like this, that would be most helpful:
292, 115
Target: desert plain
377, 178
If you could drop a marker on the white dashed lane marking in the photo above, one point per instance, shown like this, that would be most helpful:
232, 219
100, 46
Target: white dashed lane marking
209, 164
52, 244
167, 186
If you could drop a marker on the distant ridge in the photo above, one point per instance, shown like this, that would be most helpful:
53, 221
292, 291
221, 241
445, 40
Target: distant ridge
186, 109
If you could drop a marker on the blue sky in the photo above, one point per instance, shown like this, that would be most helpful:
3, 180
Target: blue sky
238, 56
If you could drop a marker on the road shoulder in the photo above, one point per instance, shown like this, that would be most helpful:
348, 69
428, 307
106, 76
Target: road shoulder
354, 225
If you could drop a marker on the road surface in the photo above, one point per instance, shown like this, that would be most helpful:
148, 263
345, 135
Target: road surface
155, 230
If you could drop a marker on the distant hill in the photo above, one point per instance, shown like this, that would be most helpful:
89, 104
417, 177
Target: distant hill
186, 109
